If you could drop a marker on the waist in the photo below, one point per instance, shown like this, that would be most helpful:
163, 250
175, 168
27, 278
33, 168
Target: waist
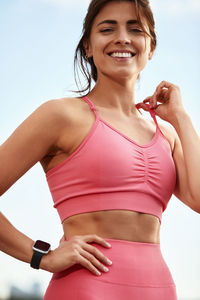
137, 265
115, 224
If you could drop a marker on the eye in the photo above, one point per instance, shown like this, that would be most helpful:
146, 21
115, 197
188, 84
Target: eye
106, 30
136, 30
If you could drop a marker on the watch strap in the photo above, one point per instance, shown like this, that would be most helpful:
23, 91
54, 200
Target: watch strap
36, 258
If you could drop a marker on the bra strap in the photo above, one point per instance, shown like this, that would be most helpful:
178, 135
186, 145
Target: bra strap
152, 112
92, 106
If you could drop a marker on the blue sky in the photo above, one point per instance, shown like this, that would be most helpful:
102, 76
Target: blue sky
38, 39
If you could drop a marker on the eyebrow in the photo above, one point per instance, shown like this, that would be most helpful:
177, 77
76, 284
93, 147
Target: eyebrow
129, 22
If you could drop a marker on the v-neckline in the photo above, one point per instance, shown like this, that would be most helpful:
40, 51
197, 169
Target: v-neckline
129, 139
98, 118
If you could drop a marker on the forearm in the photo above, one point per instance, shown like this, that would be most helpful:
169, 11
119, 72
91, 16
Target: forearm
13, 242
18, 245
190, 142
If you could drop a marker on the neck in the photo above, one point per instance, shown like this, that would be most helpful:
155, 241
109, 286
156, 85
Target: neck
118, 95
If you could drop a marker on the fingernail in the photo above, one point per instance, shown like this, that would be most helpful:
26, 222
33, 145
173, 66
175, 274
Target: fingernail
98, 273
109, 245
105, 269
109, 261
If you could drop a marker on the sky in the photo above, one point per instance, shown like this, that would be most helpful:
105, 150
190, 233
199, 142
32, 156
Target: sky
38, 40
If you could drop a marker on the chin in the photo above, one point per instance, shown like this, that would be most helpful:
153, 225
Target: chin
123, 75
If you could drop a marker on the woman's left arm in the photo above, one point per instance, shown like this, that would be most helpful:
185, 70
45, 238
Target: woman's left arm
186, 153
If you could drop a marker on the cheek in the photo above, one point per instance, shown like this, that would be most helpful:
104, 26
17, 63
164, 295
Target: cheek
99, 50
144, 45
97, 43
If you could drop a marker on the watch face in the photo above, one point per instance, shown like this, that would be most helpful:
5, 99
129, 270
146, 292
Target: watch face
42, 245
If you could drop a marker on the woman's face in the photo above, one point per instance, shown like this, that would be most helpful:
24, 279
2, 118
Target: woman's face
117, 43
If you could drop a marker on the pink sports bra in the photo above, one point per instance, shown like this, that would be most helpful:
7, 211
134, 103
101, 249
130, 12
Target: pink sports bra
110, 171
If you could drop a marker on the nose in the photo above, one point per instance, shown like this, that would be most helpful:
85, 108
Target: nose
122, 37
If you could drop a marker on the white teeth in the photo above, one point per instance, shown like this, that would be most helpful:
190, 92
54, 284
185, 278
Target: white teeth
118, 54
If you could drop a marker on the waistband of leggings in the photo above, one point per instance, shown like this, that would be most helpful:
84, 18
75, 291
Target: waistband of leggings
127, 242
131, 242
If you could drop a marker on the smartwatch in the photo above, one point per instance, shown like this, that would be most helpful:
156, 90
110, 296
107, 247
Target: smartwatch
40, 248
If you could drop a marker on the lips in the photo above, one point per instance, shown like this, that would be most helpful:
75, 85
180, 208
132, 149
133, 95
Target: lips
121, 54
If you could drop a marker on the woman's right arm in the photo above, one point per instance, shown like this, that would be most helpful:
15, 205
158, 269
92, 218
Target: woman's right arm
75, 251
30, 142
26, 146
13, 242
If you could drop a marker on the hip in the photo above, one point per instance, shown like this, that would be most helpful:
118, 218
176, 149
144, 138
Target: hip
139, 271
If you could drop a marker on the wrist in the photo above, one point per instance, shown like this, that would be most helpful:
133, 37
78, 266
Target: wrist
46, 262
40, 249
179, 117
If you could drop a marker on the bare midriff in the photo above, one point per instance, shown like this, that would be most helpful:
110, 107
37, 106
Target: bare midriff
115, 224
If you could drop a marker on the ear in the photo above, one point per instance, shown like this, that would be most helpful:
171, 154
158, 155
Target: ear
88, 48
151, 53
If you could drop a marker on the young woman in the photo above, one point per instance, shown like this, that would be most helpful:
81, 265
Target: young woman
110, 171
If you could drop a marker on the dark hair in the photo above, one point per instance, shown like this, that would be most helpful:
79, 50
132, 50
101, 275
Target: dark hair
86, 65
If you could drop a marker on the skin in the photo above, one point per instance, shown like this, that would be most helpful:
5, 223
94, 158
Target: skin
116, 80
113, 95
53, 132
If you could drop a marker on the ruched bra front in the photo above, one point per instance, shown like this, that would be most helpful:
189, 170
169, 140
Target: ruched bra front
110, 171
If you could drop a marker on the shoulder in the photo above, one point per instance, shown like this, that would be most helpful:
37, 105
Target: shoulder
59, 110
63, 118
169, 132
56, 106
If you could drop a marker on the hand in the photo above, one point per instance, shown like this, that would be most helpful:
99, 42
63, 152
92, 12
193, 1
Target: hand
170, 96
76, 251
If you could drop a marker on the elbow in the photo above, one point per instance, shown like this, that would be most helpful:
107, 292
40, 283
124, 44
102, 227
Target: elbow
1, 192
195, 205
196, 209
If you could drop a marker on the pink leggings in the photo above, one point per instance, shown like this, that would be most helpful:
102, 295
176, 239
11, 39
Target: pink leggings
138, 272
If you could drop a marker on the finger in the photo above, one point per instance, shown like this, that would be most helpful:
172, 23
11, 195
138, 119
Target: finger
165, 84
87, 264
160, 95
95, 238
147, 99
142, 105
97, 253
95, 262
164, 94
151, 100
156, 98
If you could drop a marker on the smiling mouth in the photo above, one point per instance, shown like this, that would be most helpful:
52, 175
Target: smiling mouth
122, 54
